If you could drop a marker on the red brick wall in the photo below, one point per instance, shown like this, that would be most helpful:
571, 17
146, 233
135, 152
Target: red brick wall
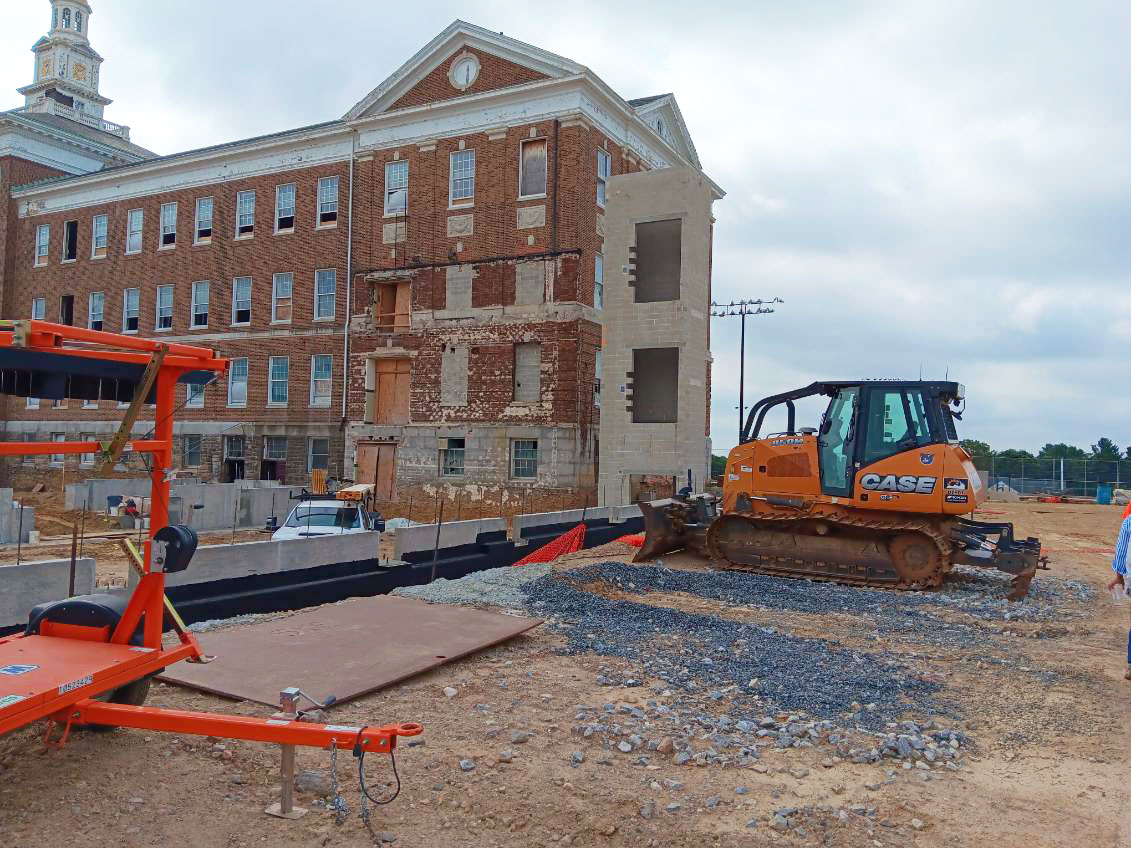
494, 73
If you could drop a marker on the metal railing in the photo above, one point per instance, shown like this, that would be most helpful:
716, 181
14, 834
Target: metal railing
53, 107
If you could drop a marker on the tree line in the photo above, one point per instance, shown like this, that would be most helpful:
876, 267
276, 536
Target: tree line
1104, 450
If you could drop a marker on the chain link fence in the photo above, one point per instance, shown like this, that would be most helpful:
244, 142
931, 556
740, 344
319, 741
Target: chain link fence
1079, 477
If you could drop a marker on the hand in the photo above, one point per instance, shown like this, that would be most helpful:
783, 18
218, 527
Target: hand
1116, 581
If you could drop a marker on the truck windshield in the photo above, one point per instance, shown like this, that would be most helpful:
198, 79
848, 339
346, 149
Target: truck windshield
341, 517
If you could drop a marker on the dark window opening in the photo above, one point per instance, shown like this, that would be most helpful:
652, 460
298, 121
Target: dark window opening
67, 310
656, 259
168, 239
70, 241
655, 385
203, 233
285, 222
327, 217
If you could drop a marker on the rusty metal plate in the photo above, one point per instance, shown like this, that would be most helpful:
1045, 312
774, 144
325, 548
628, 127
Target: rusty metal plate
346, 650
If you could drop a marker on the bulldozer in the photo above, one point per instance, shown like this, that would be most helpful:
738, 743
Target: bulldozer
874, 496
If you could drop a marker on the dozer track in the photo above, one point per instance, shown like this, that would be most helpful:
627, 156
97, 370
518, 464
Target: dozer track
880, 552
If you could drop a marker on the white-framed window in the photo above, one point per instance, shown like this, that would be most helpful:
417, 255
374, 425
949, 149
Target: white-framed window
604, 169
461, 188
99, 236
285, 208
89, 404
191, 450
168, 225
327, 201
58, 458
318, 454
275, 447
241, 301
95, 310
325, 293
237, 382
131, 309
282, 289
278, 380
597, 367
599, 281
194, 395
532, 168
135, 222
202, 230
524, 459
452, 457
32, 403
38, 308
164, 317
199, 316
235, 447
321, 379
396, 187
42, 243
70, 241
245, 214
86, 459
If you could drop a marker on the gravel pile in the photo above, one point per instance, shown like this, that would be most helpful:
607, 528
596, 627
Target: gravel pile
501, 587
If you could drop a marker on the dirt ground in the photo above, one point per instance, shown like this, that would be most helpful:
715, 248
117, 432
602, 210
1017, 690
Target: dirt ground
1049, 769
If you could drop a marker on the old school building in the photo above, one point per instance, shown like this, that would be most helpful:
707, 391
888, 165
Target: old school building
418, 293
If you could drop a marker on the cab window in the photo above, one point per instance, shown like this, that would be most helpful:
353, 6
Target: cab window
896, 421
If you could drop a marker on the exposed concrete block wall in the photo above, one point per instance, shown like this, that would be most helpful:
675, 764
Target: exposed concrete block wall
423, 536
29, 583
12, 524
652, 447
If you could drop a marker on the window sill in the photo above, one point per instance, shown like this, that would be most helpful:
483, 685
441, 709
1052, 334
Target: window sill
247, 237
41, 265
133, 253
237, 406
162, 329
289, 232
96, 258
325, 320
202, 243
198, 327
165, 247
281, 323
331, 226
524, 197
242, 324
459, 207
277, 405
129, 332
68, 261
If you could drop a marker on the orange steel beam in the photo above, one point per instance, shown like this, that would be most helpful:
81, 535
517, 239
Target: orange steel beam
44, 334
43, 448
281, 731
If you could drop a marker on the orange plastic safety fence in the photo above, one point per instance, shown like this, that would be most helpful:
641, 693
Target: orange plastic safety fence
634, 539
567, 543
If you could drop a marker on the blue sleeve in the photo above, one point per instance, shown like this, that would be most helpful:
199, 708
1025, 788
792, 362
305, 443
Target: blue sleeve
1119, 561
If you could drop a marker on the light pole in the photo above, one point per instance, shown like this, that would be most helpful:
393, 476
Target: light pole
742, 308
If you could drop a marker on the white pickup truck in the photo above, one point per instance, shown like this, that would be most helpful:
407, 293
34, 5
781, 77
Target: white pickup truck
327, 515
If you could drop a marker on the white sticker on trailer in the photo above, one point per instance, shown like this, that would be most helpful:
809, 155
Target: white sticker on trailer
341, 728
75, 684
14, 670
8, 700
747, 469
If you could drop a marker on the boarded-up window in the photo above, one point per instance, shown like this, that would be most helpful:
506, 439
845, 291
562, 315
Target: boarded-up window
393, 307
457, 293
529, 283
532, 168
655, 385
391, 391
527, 372
453, 377
657, 260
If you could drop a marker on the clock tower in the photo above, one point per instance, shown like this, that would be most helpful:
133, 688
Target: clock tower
66, 67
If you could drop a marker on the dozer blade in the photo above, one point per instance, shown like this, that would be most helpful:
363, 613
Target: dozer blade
671, 524
1021, 558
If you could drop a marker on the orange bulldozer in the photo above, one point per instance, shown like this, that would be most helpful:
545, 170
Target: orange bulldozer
874, 496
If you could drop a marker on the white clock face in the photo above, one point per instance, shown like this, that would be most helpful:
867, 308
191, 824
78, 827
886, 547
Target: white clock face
464, 72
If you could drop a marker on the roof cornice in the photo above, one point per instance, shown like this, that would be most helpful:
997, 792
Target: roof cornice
57, 136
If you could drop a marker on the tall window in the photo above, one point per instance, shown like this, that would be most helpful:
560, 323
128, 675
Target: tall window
396, 187
604, 168
462, 182
237, 382
32, 403
245, 214
279, 375
131, 304
78, 21
87, 459
598, 365
135, 220
275, 447
281, 287
70, 241
321, 379
38, 308
203, 228
199, 304
599, 282
524, 458
327, 201
42, 243
96, 306
194, 395
319, 455
532, 168
325, 293
451, 457
164, 319
99, 238
190, 455
66, 25
168, 224
285, 208
241, 300
58, 458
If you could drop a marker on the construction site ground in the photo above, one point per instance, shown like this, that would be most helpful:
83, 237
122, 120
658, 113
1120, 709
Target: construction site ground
521, 748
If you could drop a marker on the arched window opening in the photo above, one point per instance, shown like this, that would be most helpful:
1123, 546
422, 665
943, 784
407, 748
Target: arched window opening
54, 19
78, 21
66, 19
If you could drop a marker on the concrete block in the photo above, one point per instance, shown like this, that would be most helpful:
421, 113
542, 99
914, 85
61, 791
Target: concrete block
31, 583
568, 516
422, 537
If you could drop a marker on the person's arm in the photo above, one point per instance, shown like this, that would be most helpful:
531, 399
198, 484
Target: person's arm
1119, 561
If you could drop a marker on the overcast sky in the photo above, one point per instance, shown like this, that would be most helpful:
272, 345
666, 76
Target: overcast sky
934, 186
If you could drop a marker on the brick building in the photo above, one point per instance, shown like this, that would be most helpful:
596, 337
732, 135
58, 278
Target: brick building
411, 294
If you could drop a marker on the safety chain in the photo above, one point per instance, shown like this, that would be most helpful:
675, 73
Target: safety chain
337, 803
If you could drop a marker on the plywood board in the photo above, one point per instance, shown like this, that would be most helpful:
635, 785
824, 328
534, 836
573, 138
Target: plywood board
346, 650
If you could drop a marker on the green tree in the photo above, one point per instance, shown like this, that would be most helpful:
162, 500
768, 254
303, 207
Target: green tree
976, 448
1105, 449
1060, 450
1013, 453
718, 465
